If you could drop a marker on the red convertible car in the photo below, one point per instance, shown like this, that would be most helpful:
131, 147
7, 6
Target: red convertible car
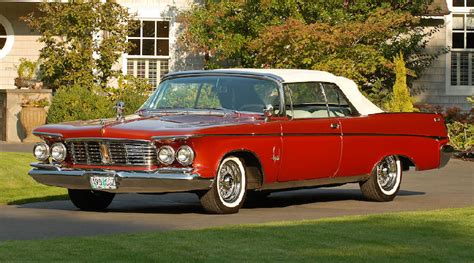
226, 134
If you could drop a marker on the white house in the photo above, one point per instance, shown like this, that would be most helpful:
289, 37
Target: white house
447, 83
450, 79
154, 56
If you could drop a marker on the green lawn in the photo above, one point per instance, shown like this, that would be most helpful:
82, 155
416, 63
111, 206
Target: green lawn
434, 236
17, 187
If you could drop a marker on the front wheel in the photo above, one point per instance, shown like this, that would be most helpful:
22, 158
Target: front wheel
89, 200
384, 181
228, 191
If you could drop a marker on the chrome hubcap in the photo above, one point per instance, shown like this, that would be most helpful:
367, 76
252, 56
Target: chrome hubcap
387, 172
229, 182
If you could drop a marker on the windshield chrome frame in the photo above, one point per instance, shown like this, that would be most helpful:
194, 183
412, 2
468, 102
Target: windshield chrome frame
188, 74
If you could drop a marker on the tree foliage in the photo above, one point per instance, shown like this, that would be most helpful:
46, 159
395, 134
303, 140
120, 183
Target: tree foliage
82, 40
356, 39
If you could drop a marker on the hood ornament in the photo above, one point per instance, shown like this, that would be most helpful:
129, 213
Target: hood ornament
103, 123
120, 107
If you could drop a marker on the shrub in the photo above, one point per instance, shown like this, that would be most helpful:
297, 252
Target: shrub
461, 136
27, 68
426, 107
455, 114
77, 103
400, 100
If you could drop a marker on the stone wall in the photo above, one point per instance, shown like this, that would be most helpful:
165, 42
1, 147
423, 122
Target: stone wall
10, 106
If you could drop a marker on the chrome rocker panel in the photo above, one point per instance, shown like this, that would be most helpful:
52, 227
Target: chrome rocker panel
160, 181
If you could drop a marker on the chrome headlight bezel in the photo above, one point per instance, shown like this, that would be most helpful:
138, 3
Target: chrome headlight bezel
58, 148
188, 152
170, 154
45, 155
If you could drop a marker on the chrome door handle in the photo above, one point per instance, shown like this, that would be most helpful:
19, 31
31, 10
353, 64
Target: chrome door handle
335, 125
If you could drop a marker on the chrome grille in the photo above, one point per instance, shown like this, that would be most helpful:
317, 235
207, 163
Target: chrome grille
112, 152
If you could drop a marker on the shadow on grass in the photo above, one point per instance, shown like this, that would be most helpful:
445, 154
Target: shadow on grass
38, 199
434, 236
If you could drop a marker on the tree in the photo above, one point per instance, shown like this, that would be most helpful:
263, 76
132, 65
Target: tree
82, 41
355, 39
400, 100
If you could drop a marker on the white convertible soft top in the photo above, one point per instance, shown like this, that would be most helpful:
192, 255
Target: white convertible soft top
347, 86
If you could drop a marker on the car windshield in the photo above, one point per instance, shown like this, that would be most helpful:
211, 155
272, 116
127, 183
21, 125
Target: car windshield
215, 93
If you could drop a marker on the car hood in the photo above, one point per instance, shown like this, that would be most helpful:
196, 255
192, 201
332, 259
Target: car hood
139, 127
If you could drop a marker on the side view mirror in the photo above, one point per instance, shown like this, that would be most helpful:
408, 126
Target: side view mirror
268, 112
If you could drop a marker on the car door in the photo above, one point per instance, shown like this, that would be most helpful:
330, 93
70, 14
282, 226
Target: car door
354, 153
311, 139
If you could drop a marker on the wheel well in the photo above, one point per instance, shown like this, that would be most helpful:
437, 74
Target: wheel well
254, 169
406, 162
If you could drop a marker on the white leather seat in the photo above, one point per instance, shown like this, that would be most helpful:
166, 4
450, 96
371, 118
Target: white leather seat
300, 114
320, 114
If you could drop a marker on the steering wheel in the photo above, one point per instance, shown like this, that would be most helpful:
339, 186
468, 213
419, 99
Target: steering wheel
252, 107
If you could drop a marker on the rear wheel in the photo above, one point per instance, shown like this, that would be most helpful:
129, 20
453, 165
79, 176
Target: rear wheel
385, 180
89, 200
228, 191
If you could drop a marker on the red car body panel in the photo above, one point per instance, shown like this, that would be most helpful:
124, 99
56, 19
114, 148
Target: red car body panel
288, 150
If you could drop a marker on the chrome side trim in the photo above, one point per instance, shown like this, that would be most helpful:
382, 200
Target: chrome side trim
174, 138
48, 134
314, 182
184, 137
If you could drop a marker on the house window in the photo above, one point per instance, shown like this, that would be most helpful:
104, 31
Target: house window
3, 36
149, 56
6, 36
463, 3
462, 54
147, 68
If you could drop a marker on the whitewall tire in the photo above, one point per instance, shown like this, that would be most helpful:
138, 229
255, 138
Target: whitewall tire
384, 181
229, 188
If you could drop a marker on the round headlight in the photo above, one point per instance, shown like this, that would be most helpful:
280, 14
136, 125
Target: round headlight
58, 152
166, 155
185, 155
41, 151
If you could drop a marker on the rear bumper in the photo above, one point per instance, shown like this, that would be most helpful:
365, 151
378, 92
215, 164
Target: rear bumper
160, 181
445, 153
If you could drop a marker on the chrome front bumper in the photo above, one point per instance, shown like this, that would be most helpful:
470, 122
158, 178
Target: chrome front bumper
160, 181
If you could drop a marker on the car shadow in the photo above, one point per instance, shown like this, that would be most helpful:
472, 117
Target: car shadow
307, 196
186, 203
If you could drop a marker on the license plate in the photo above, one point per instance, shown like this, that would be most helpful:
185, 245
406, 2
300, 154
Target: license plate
103, 183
